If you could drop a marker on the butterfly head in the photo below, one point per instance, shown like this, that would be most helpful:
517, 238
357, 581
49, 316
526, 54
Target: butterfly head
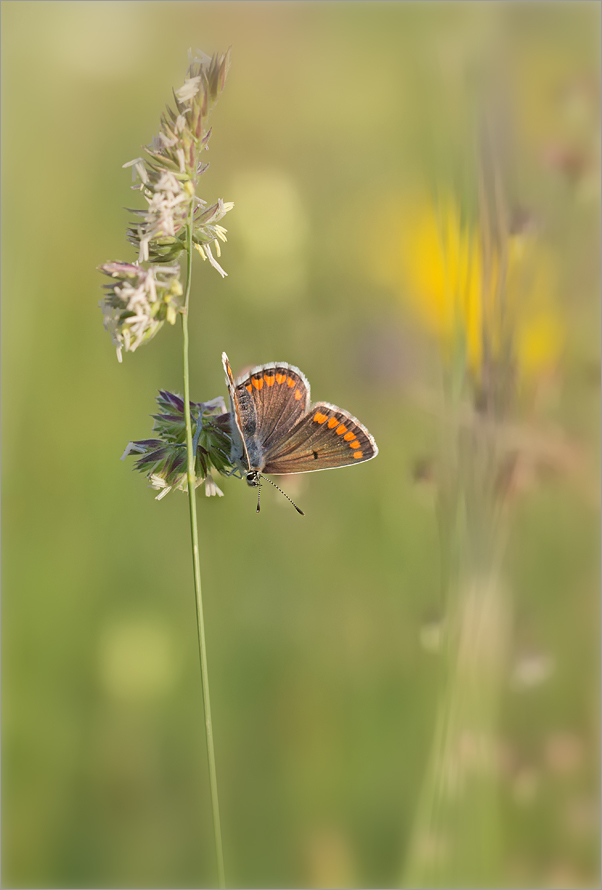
253, 478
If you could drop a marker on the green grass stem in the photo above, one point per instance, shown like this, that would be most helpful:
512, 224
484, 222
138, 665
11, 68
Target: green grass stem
217, 832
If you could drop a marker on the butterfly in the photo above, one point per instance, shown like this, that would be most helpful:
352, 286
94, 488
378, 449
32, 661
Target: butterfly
276, 429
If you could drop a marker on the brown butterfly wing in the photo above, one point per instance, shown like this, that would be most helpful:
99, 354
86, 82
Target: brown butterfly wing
325, 438
271, 399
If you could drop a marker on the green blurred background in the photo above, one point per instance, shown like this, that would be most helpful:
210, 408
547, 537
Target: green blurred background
320, 634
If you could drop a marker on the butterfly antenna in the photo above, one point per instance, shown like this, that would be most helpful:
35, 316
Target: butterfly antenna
281, 492
258, 494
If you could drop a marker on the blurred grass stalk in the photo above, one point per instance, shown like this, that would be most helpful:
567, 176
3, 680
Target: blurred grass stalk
456, 837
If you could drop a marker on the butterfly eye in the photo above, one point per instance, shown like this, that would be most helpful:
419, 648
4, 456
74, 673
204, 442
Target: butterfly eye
252, 479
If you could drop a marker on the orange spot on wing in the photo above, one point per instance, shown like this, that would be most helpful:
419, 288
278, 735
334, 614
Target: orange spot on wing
298, 394
290, 382
319, 417
269, 379
349, 436
332, 422
341, 429
280, 378
357, 455
355, 444
249, 387
258, 384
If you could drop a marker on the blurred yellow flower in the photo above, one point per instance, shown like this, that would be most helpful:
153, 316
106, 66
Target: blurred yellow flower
461, 292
